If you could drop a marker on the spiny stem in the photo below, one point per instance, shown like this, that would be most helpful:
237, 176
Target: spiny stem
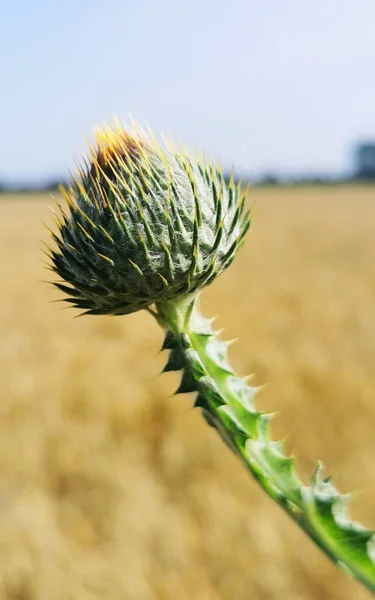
227, 405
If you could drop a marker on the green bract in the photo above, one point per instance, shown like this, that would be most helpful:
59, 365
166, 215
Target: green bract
145, 225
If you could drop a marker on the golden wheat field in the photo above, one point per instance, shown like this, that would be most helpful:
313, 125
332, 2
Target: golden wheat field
112, 488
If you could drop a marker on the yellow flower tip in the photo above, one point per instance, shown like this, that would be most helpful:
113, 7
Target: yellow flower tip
116, 146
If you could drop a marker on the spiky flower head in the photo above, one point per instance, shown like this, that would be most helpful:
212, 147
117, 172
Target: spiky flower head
145, 225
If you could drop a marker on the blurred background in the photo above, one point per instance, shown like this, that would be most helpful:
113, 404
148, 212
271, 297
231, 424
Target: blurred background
110, 486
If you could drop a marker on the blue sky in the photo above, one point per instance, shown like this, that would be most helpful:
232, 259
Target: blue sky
283, 85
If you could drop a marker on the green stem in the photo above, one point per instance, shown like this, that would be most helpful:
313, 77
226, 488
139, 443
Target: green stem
227, 403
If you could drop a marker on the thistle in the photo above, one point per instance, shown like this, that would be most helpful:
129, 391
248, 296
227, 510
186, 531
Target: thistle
147, 228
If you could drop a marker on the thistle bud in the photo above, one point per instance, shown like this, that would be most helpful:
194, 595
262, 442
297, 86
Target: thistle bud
144, 225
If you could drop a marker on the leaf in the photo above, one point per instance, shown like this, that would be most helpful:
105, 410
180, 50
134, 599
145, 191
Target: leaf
227, 404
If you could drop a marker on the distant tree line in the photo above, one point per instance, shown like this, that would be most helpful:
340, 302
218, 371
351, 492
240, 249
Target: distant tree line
25, 187
363, 170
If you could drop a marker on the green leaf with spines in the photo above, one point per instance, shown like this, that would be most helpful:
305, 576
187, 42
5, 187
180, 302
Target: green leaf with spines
227, 404
176, 360
188, 382
170, 341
